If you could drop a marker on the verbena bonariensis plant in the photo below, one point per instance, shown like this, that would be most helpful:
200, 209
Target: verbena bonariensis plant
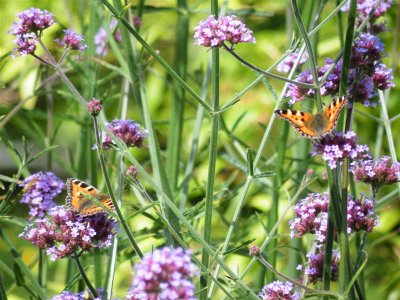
183, 232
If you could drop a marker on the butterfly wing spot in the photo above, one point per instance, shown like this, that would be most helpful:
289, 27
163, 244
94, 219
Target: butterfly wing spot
332, 113
301, 121
78, 198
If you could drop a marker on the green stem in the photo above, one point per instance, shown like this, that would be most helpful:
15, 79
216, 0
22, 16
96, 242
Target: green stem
313, 62
266, 73
84, 277
111, 191
212, 160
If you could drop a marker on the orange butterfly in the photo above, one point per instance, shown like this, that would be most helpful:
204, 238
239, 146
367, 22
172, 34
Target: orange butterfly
314, 126
78, 198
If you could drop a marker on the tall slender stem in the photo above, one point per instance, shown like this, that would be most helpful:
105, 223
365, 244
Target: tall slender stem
111, 191
84, 277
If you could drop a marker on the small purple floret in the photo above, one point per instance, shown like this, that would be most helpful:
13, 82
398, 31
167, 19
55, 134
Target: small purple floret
127, 130
279, 290
72, 40
214, 33
335, 148
377, 173
40, 190
314, 269
164, 274
63, 233
286, 65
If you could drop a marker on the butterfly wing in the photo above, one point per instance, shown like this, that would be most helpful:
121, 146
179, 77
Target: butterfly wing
78, 198
300, 120
332, 113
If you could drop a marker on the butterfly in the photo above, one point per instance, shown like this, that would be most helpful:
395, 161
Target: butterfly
314, 126
78, 198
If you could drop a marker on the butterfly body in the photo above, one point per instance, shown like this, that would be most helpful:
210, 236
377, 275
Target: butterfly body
79, 194
317, 125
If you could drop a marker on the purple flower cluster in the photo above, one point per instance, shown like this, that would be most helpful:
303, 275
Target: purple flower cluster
126, 130
100, 39
72, 40
67, 295
65, 232
315, 266
377, 173
94, 106
165, 274
40, 190
361, 215
214, 33
364, 7
311, 216
367, 73
32, 20
279, 290
335, 148
28, 28
287, 64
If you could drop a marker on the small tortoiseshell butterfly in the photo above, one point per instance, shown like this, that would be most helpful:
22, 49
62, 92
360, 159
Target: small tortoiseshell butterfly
78, 198
314, 126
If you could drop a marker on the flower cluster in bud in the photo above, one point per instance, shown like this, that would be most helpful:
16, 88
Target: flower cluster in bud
279, 290
40, 190
64, 232
164, 274
94, 106
335, 148
215, 32
126, 130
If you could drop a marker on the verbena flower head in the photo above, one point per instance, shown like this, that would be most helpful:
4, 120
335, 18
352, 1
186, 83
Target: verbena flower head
335, 148
64, 232
366, 51
363, 91
382, 77
100, 39
85, 295
40, 190
311, 215
132, 171
127, 130
164, 274
254, 250
72, 40
315, 266
32, 20
94, 106
377, 173
331, 85
364, 7
279, 290
214, 33
25, 44
287, 64
360, 214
